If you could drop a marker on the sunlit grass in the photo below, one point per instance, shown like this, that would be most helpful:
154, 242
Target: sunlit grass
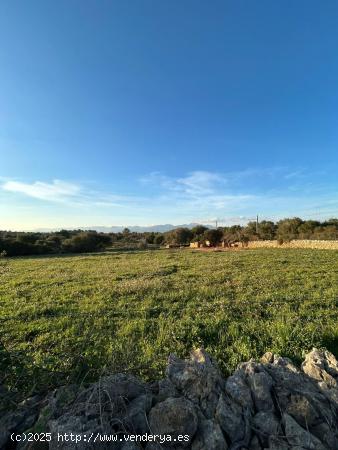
66, 318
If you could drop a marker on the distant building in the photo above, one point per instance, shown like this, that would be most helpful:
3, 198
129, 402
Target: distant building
200, 244
224, 244
196, 244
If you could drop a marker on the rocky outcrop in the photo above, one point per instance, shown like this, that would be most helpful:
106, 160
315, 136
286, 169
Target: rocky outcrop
266, 404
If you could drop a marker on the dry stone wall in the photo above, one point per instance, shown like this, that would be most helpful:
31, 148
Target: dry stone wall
296, 243
266, 404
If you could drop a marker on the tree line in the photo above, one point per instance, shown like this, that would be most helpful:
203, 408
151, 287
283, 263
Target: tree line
284, 230
79, 241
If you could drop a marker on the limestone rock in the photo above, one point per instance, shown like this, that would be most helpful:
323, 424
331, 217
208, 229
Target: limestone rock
266, 405
328, 434
174, 416
261, 384
266, 425
229, 415
238, 389
136, 414
209, 436
297, 436
322, 366
198, 379
255, 444
301, 409
165, 390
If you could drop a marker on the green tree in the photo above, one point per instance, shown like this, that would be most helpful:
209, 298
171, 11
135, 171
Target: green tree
306, 229
266, 230
159, 239
287, 229
233, 234
251, 231
332, 221
86, 241
150, 237
214, 236
328, 232
198, 231
179, 236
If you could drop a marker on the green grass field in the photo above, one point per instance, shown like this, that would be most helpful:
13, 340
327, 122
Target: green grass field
70, 318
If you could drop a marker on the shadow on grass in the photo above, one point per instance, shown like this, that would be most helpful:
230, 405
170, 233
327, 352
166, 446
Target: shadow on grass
22, 378
85, 254
331, 343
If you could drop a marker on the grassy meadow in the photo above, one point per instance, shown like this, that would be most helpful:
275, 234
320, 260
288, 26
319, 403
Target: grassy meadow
71, 318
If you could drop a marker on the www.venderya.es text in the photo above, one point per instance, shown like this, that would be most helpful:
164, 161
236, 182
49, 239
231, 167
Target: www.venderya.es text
98, 437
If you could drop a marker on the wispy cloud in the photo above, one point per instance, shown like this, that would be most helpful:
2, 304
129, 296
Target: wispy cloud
71, 194
200, 183
242, 194
200, 191
196, 183
157, 197
296, 174
56, 191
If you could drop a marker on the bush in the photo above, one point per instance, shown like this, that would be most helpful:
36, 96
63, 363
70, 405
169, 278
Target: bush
89, 241
214, 236
179, 236
159, 239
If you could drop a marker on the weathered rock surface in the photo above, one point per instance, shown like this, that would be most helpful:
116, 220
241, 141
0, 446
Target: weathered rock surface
270, 405
174, 416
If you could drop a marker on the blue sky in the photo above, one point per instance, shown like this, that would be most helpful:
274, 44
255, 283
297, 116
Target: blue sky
146, 112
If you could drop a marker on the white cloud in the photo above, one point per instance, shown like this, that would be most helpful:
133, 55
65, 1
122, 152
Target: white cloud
71, 194
199, 192
162, 199
200, 183
56, 191
196, 183
204, 183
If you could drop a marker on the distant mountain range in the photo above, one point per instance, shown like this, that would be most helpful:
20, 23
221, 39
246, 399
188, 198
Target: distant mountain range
116, 229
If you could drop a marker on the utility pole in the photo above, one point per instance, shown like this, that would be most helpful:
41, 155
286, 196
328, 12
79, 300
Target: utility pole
257, 224
216, 223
